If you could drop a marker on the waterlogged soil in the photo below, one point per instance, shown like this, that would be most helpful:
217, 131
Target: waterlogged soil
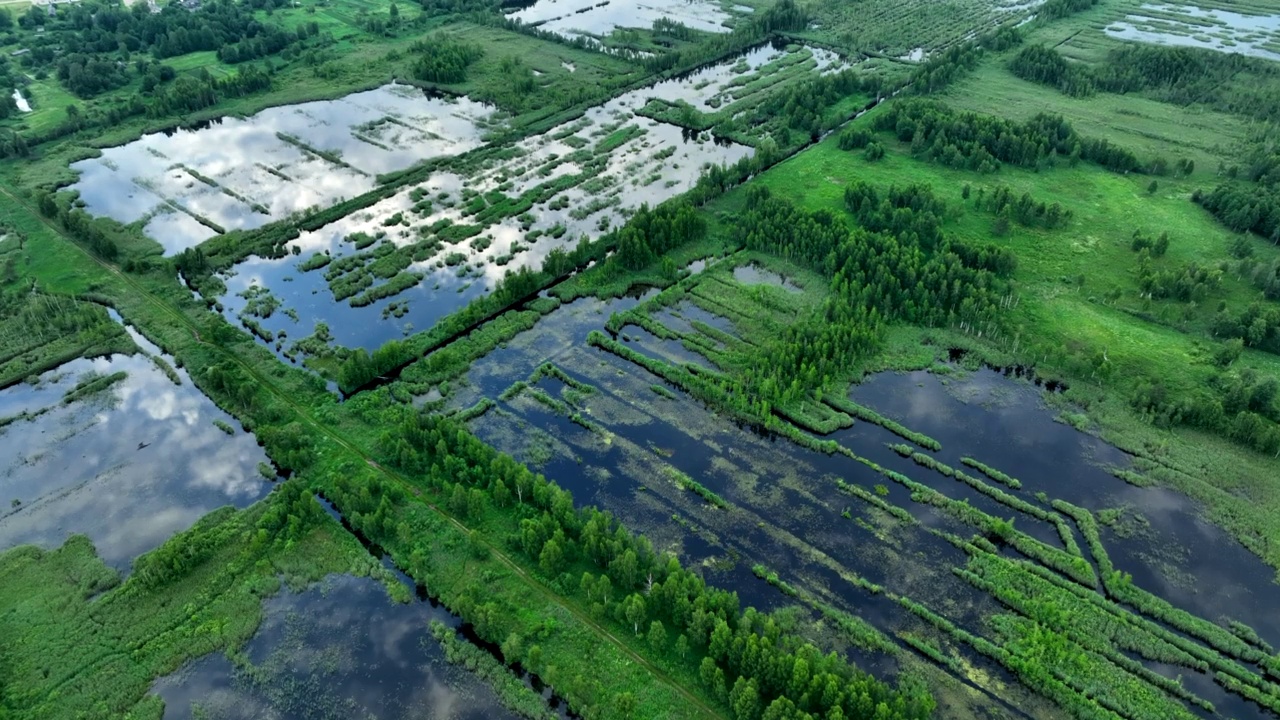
1192, 26
128, 466
636, 437
654, 162
341, 649
238, 173
594, 19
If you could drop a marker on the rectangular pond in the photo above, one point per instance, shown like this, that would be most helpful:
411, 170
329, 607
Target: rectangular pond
598, 18
187, 185
129, 465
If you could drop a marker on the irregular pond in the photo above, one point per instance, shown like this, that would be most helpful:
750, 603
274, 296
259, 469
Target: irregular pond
341, 649
128, 466
189, 184
1192, 26
21, 102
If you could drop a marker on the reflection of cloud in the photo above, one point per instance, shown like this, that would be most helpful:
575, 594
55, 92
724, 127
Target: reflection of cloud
188, 468
651, 168
235, 154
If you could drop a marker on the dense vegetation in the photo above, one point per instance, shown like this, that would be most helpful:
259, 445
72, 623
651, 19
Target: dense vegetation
982, 142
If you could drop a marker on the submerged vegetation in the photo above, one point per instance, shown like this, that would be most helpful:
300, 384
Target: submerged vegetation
655, 260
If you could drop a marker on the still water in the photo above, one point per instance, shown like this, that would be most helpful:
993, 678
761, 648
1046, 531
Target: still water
659, 161
341, 649
128, 467
236, 173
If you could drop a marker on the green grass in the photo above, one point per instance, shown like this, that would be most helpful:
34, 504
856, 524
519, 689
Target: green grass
1146, 127
71, 652
1065, 327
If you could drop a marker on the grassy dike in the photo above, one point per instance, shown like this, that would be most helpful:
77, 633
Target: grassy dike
300, 423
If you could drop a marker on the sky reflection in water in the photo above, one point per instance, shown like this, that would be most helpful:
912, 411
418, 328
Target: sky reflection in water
128, 467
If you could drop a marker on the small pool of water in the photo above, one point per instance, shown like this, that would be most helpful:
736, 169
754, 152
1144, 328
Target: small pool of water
756, 275
129, 466
341, 649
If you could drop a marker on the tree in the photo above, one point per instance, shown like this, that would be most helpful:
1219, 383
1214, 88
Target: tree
682, 646
551, 558
1152, 187
633, 608
657, 636
626, 704
512, 648
744, 699
535, 658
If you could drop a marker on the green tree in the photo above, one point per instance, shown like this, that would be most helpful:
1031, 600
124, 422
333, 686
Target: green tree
657, 636
635, 611
535, 658
744, 699
682, 646
626, 704
512, 647
551, 558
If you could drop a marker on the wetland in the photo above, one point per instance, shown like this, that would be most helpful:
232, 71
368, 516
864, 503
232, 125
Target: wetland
716, 360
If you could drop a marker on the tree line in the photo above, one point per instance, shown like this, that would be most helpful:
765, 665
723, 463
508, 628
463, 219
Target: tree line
1230, 82
1244, 207
972, 141
942, 69
895, 267
743, 657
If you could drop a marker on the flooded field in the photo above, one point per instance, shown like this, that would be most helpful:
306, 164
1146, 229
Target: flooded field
403, 263
341, 649
838, 526
187, 185
592, 18
116, 449
1192, 26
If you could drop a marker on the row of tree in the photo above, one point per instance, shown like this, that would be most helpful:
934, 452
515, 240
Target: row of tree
1230, 82
1244, 207
1024, 209
745, 657
973, 141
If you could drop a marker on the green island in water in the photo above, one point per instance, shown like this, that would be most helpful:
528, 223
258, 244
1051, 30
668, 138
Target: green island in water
706, 359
